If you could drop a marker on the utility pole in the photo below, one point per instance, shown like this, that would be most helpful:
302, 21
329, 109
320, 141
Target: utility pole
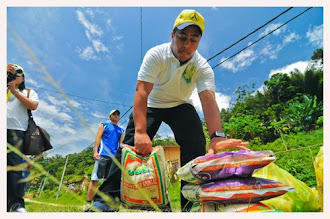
59, 187
42, 181
43, 185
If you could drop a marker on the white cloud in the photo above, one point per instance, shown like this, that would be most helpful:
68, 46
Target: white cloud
272, 27
53, 112
271, 51
260, 89
315, 36
99, 46
87, 53
93, 29
69, 143
62, 103
52, 126
117, 38
90, 12
239, 62
109, 24
98, 115
291, 38
32, 82
222, 100
267, 51
88, 35
301, 66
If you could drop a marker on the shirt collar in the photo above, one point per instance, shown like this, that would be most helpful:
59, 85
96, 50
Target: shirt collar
171, 55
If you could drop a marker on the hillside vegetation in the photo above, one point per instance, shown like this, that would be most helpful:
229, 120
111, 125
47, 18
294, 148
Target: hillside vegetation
286, 117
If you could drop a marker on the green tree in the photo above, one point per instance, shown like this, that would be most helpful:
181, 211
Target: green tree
304, 114
158, 140
318, 55
244, 127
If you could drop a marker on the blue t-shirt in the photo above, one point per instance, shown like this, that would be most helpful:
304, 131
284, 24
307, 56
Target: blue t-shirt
110, 139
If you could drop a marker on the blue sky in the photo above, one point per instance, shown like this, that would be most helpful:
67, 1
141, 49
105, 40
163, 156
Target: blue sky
95, 53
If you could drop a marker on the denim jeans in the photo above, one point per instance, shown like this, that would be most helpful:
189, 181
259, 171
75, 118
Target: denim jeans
188, 132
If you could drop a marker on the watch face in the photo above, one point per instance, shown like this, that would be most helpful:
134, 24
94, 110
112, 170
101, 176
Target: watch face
220, 134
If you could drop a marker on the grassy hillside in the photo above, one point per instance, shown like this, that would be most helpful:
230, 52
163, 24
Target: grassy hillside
298, 158
295, 155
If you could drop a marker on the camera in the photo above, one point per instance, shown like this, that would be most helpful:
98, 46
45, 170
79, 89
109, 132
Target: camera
11, 77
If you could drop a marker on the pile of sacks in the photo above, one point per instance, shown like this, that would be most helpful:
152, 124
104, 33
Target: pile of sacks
223, 182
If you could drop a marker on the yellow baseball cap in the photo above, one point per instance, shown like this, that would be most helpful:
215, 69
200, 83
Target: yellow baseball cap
113, 111
189, 17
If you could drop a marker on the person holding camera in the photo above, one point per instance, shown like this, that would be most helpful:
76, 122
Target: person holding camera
18, 102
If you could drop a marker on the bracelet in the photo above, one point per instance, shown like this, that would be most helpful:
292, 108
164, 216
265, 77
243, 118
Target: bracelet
16, 92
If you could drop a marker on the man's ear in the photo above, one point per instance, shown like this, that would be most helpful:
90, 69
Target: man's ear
172, 35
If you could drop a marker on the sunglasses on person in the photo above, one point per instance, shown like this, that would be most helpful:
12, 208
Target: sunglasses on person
116, 114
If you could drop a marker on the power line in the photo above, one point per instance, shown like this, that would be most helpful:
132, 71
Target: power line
262, 37
82, 97
251, 33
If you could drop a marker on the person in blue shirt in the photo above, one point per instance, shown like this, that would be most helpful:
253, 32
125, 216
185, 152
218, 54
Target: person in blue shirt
108, 138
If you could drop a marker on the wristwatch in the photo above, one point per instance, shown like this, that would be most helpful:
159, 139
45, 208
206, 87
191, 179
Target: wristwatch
218, 134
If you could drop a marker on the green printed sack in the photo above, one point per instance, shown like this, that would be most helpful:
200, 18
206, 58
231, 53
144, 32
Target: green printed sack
144, 179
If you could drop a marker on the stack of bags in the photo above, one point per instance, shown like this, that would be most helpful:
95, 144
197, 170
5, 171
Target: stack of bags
224, 182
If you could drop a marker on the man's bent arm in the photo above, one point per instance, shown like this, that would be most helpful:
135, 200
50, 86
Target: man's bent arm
142, 141
211, 111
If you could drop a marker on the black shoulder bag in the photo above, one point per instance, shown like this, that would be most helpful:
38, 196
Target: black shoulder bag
37, 140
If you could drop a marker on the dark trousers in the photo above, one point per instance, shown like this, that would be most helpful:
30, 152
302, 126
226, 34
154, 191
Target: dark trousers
188, 132
15, 189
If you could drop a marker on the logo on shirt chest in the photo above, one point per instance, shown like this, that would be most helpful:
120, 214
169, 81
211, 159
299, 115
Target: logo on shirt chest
189, 73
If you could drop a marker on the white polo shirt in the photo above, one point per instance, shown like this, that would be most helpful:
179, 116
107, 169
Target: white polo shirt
17, 115
174, 84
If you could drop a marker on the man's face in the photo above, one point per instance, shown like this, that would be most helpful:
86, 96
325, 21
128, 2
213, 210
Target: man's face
115, 117
185, 42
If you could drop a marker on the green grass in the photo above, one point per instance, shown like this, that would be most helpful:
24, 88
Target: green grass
45, 207
298, 162
73, 202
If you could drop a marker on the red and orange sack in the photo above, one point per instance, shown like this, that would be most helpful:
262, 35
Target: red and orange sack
235, 190
241, 208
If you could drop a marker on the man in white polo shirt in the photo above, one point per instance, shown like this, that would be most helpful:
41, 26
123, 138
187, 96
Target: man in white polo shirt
167, 77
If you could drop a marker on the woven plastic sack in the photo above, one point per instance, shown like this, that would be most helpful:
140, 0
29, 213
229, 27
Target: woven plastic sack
318, 165
203, 207
143, 179
301, 199
241, 163
235, 190
245, 207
